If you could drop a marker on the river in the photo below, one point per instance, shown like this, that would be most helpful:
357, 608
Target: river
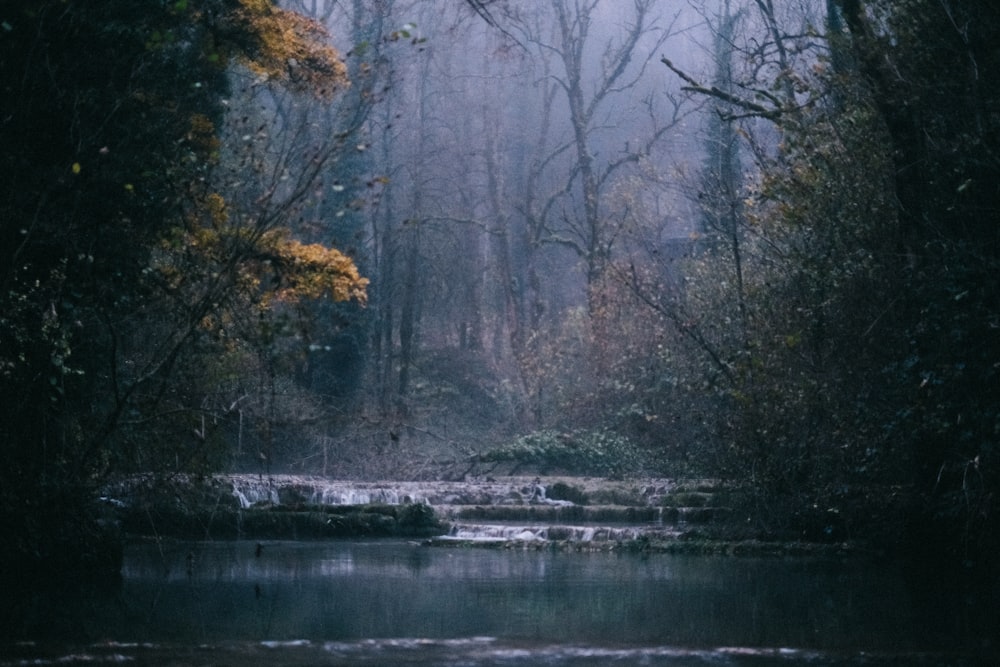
402, 603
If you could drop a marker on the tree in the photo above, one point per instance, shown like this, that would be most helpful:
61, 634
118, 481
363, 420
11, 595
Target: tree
931, 74
871, 272
721, 182
125, 254
596, 122
796, 245
589, 90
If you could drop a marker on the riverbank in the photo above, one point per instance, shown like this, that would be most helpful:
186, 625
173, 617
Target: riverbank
581, 514
521, 516
215, 508
688, 545
569, 514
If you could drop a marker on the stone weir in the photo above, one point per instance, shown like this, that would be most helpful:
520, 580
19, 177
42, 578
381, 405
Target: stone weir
530, 511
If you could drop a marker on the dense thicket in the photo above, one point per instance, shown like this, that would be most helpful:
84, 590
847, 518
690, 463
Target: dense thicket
860, 264
933, 77
120, 254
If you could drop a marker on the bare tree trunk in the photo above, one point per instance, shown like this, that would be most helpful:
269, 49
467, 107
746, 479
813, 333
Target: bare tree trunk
408, 313
511, 326
573, 32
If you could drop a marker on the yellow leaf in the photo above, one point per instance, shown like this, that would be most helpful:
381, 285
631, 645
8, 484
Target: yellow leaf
76, 167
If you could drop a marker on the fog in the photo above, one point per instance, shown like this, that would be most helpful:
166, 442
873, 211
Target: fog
505, 181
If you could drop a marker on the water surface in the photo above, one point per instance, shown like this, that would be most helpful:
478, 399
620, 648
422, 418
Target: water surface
386, 602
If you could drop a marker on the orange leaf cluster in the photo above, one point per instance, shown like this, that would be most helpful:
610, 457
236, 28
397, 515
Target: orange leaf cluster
202, 134
311, 271
290, 48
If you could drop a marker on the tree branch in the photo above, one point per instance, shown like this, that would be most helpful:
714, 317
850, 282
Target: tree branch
753, 109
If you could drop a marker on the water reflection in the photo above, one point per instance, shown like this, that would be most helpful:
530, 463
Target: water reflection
336, 598
377, 590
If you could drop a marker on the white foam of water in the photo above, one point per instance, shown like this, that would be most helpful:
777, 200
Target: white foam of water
254, 489
288, 643
470, 651
502, 532
497, 532
252, 492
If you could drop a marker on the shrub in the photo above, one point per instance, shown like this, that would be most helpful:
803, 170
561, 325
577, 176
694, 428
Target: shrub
599, 452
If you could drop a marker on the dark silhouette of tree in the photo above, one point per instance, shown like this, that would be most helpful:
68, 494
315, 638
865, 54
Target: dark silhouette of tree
124, 253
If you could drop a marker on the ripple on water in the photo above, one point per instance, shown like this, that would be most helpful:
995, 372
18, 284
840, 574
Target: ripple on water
467, 652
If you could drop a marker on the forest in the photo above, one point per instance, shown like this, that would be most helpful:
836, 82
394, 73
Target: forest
749, 240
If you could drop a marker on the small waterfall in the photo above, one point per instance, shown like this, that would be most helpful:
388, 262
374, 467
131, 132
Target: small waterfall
506, 510
342, 495
521, 533
482, 533
295, 489
253, 492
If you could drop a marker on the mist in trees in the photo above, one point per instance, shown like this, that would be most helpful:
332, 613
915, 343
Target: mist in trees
504, 210
726, 238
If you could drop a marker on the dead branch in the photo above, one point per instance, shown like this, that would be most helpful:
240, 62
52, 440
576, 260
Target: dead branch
752, 108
